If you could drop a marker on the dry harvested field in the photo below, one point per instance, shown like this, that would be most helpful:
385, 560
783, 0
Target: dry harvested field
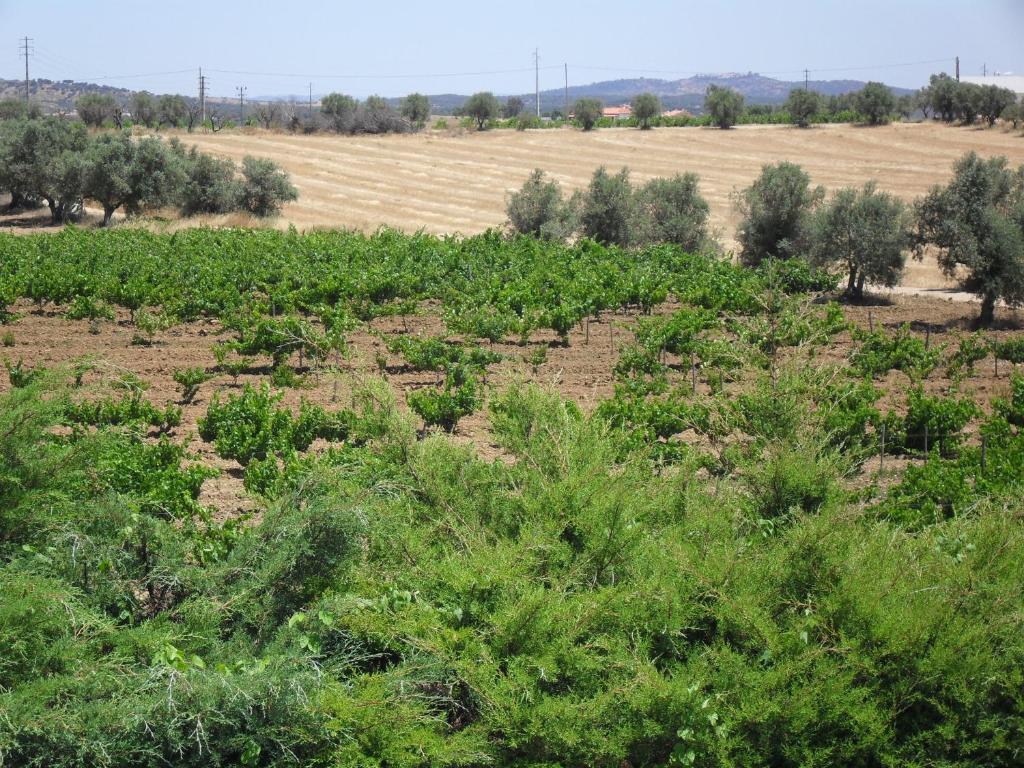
457, 182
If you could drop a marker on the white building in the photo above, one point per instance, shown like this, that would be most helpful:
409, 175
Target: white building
1014, 82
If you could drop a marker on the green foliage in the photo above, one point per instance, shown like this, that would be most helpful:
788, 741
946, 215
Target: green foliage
88, 308
935, 423
416, 109
538, 209
802, 105
607, 209
587, 112
435, 353
879, 352
482, 107
646, 106
445, 406
130, 408
98, 109
1011, 349
190, 379
724, 105
868, 233
876, 102
672, 210
775, 214
265, 187
971, 349
976, 223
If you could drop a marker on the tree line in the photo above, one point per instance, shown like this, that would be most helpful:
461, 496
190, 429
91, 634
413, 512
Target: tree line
975, 223
60, 163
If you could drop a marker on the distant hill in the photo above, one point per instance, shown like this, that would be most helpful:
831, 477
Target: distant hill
58, 95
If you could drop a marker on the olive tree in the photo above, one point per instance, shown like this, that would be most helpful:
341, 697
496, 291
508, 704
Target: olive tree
210, 184
646, 106
416, 109
514, 107
942, 91
867, 232
876, 102
672, 210
538, 209
143, 108
802, 105
172, 110
993, 101
265, 187
725, 105
775, 213
588, 112
42, 160
482, 106
135, 175
95, 109
977, 224
339, 109
607, 208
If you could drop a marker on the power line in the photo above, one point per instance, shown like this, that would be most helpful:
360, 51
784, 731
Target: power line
308, 75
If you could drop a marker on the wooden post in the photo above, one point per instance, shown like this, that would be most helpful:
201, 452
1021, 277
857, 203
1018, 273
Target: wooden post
881, 451
586, 330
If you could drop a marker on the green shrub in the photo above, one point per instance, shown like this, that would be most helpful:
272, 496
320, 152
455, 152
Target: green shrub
1011, 349
265, 187
879, 353
775, 214
538, 209
88, 308
444, 407
936, 421
190, 379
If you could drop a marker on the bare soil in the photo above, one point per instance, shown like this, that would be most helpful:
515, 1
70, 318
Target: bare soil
581, 371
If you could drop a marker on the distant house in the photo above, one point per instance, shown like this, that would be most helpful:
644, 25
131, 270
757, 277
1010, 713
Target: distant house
1014, 82
677, 113
621, 112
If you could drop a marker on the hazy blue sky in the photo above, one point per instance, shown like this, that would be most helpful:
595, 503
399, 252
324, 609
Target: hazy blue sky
396, 47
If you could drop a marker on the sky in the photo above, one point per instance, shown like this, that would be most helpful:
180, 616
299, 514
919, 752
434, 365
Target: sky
457, 46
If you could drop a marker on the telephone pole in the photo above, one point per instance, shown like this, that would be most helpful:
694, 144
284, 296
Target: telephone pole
241, 105
25, 50
202, 96
310, 101
958, 69
566, 115
536, 76
805, 79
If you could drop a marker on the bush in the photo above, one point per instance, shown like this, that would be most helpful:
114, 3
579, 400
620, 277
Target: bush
538, 209
802, 105
672, 211
265, 187
587, 112
879, 353
775, 214
210, 185
724, 105
876, 102
482, 107
607, 211
190, 379
646, 107
444, 407
416, 109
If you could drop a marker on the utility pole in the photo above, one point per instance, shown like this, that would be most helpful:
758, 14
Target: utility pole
806, 72
310, 101
566, 116
984, 70
536, 76
241, 105
25, 51
958, 69
202, 97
